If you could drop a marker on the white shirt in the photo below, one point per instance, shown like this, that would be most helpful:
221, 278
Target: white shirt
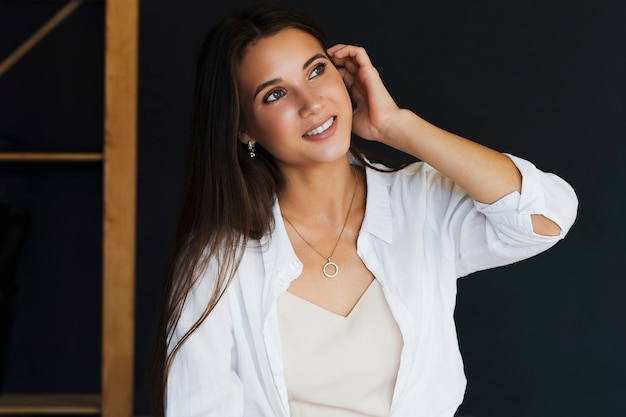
420, 233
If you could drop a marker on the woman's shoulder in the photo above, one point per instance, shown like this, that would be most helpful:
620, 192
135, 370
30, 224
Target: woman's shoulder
418, 173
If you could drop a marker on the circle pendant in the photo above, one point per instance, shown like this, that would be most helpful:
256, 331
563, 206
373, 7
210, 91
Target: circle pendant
333, 265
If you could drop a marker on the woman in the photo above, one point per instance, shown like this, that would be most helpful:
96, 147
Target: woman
307, 280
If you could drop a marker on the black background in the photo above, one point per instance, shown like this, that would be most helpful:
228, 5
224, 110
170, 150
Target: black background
544, 80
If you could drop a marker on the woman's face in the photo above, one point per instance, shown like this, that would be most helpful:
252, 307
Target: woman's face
294, 100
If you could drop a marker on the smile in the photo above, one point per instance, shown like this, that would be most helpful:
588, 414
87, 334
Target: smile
322, 128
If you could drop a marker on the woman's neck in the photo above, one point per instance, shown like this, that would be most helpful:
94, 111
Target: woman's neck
319, 193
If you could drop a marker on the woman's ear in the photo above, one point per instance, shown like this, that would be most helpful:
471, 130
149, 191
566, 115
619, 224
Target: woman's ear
244, 137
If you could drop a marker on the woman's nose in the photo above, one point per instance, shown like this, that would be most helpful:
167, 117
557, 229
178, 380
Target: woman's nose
311, 102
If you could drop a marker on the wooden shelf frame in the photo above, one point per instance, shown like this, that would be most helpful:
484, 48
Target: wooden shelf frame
50, 404
51, 156
120, 178
119, 160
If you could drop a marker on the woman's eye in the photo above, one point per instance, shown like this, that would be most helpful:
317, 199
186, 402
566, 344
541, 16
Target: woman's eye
274, 95
318, 70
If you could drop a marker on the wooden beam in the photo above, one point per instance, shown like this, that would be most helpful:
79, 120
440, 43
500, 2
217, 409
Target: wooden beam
120, 153
39, 34
51, 156
49, 404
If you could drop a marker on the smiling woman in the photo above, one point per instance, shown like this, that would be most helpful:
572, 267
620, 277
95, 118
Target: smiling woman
290, 88
307, 280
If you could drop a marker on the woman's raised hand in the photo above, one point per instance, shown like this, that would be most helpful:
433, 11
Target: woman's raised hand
375, 108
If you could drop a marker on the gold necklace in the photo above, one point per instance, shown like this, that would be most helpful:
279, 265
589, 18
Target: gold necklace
330, 264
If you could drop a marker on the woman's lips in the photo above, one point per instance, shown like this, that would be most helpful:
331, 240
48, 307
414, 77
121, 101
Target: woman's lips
322, 131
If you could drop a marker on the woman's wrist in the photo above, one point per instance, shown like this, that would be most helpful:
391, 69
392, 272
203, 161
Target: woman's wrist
404, 131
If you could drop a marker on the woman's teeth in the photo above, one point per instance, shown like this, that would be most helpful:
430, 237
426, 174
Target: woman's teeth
322, 128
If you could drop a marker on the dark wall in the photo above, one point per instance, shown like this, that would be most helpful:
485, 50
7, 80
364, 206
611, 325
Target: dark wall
541, 80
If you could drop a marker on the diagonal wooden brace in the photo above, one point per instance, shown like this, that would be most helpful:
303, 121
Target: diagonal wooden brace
34, 39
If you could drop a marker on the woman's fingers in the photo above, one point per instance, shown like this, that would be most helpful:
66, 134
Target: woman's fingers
349, 56
352, 61
343, 51
335, 48
374, 105
348, 78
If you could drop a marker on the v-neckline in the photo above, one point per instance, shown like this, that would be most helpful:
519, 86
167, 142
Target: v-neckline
331, 313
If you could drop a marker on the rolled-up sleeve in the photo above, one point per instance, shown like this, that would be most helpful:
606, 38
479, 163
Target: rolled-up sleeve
507, 233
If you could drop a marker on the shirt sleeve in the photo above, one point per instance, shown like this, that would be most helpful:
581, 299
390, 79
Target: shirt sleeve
491, 235
201, 381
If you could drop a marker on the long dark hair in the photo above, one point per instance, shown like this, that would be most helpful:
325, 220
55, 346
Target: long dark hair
229, 196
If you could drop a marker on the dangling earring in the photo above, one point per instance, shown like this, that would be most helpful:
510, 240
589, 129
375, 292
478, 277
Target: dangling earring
251, 148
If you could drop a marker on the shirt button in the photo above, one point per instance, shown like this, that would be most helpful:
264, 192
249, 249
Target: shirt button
295, 265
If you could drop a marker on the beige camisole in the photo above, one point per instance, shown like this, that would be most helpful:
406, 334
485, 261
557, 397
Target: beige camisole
339, 366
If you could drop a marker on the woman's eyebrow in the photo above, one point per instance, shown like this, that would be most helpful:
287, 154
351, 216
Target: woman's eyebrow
276, 80
313, 58
265, 84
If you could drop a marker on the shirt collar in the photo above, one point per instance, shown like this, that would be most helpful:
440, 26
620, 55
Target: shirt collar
279, 258
377, 219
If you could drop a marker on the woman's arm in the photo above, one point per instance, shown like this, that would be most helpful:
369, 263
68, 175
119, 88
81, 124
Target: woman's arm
485, 174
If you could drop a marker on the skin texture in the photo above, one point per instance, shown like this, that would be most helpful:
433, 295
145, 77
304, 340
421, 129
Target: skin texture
289, 86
